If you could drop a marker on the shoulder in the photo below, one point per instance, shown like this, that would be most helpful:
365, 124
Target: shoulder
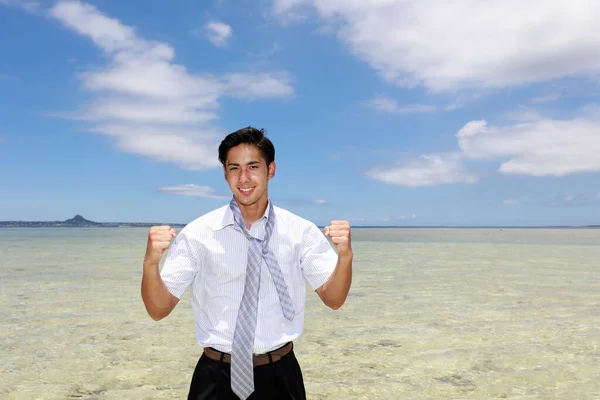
288, 218
206, 223
292, 224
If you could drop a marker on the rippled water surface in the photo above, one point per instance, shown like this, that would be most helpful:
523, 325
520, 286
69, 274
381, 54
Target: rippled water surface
432, 314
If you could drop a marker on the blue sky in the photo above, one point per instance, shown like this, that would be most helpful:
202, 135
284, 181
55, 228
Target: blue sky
403, 112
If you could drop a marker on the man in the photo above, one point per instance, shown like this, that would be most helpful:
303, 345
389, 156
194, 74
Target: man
247, 263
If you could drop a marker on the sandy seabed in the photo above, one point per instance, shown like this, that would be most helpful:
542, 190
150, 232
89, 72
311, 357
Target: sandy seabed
432, 314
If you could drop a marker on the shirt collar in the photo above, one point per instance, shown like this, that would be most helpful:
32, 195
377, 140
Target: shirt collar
228, 220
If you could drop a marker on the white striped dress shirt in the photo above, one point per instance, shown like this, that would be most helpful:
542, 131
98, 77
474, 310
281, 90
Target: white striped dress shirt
210, 255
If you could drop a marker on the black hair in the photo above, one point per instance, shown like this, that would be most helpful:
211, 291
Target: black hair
251, 136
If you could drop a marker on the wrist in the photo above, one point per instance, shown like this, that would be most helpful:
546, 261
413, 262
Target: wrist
150, 263
346, 254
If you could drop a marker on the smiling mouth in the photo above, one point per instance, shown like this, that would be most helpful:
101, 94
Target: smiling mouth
246, 190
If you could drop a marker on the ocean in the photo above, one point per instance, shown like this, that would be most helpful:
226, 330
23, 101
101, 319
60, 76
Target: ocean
432, 314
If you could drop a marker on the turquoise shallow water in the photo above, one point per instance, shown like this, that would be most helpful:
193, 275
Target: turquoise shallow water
433, 314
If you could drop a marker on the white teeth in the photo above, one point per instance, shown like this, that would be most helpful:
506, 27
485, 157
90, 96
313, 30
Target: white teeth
245, 190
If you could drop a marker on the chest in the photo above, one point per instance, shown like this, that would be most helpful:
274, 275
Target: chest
224, 256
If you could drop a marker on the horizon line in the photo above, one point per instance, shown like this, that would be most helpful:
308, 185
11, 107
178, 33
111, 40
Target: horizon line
80, 218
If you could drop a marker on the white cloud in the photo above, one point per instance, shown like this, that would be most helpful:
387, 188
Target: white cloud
512, 202
524, 115
319, 201
577, 199
262, 56
356, 219
288, 10
542, 147
449, 45
285, 6
427, 170
194, 190
218, 33
591, 111
391, 106
149, 104
545, 99
258, 86
165, 144
146, 111
538, 148
398, 218
29, 5
395, 219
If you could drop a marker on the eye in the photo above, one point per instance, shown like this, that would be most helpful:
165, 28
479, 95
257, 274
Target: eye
254, 167
233, 168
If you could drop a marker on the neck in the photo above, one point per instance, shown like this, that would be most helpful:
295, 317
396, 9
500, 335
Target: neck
253, 212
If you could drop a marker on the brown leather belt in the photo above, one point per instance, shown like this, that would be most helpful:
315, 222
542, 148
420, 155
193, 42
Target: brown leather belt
259, 359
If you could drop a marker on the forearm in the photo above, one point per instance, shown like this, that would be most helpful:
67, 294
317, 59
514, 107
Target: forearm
158, 300
335, 290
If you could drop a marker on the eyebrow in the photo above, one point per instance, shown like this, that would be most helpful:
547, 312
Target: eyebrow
232, 164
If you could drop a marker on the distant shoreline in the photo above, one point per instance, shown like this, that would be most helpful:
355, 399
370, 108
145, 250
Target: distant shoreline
41, 225
48, 225
79, 222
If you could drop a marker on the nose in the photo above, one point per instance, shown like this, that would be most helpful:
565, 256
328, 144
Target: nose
244, 175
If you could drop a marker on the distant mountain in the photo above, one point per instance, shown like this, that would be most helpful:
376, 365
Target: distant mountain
80, 222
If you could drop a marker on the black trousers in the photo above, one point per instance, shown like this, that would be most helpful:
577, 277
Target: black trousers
281, 380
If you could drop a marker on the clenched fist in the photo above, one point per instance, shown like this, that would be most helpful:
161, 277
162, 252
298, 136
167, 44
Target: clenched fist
339, 232
159, 238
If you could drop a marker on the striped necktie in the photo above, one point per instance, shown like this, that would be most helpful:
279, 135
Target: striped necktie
242, 369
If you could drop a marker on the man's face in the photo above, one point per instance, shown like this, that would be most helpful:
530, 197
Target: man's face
247, 173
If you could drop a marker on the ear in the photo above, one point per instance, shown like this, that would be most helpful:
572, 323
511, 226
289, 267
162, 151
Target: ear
224, 172
272, 168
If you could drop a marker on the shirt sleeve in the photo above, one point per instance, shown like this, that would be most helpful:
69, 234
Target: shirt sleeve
318, 258
181, 265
